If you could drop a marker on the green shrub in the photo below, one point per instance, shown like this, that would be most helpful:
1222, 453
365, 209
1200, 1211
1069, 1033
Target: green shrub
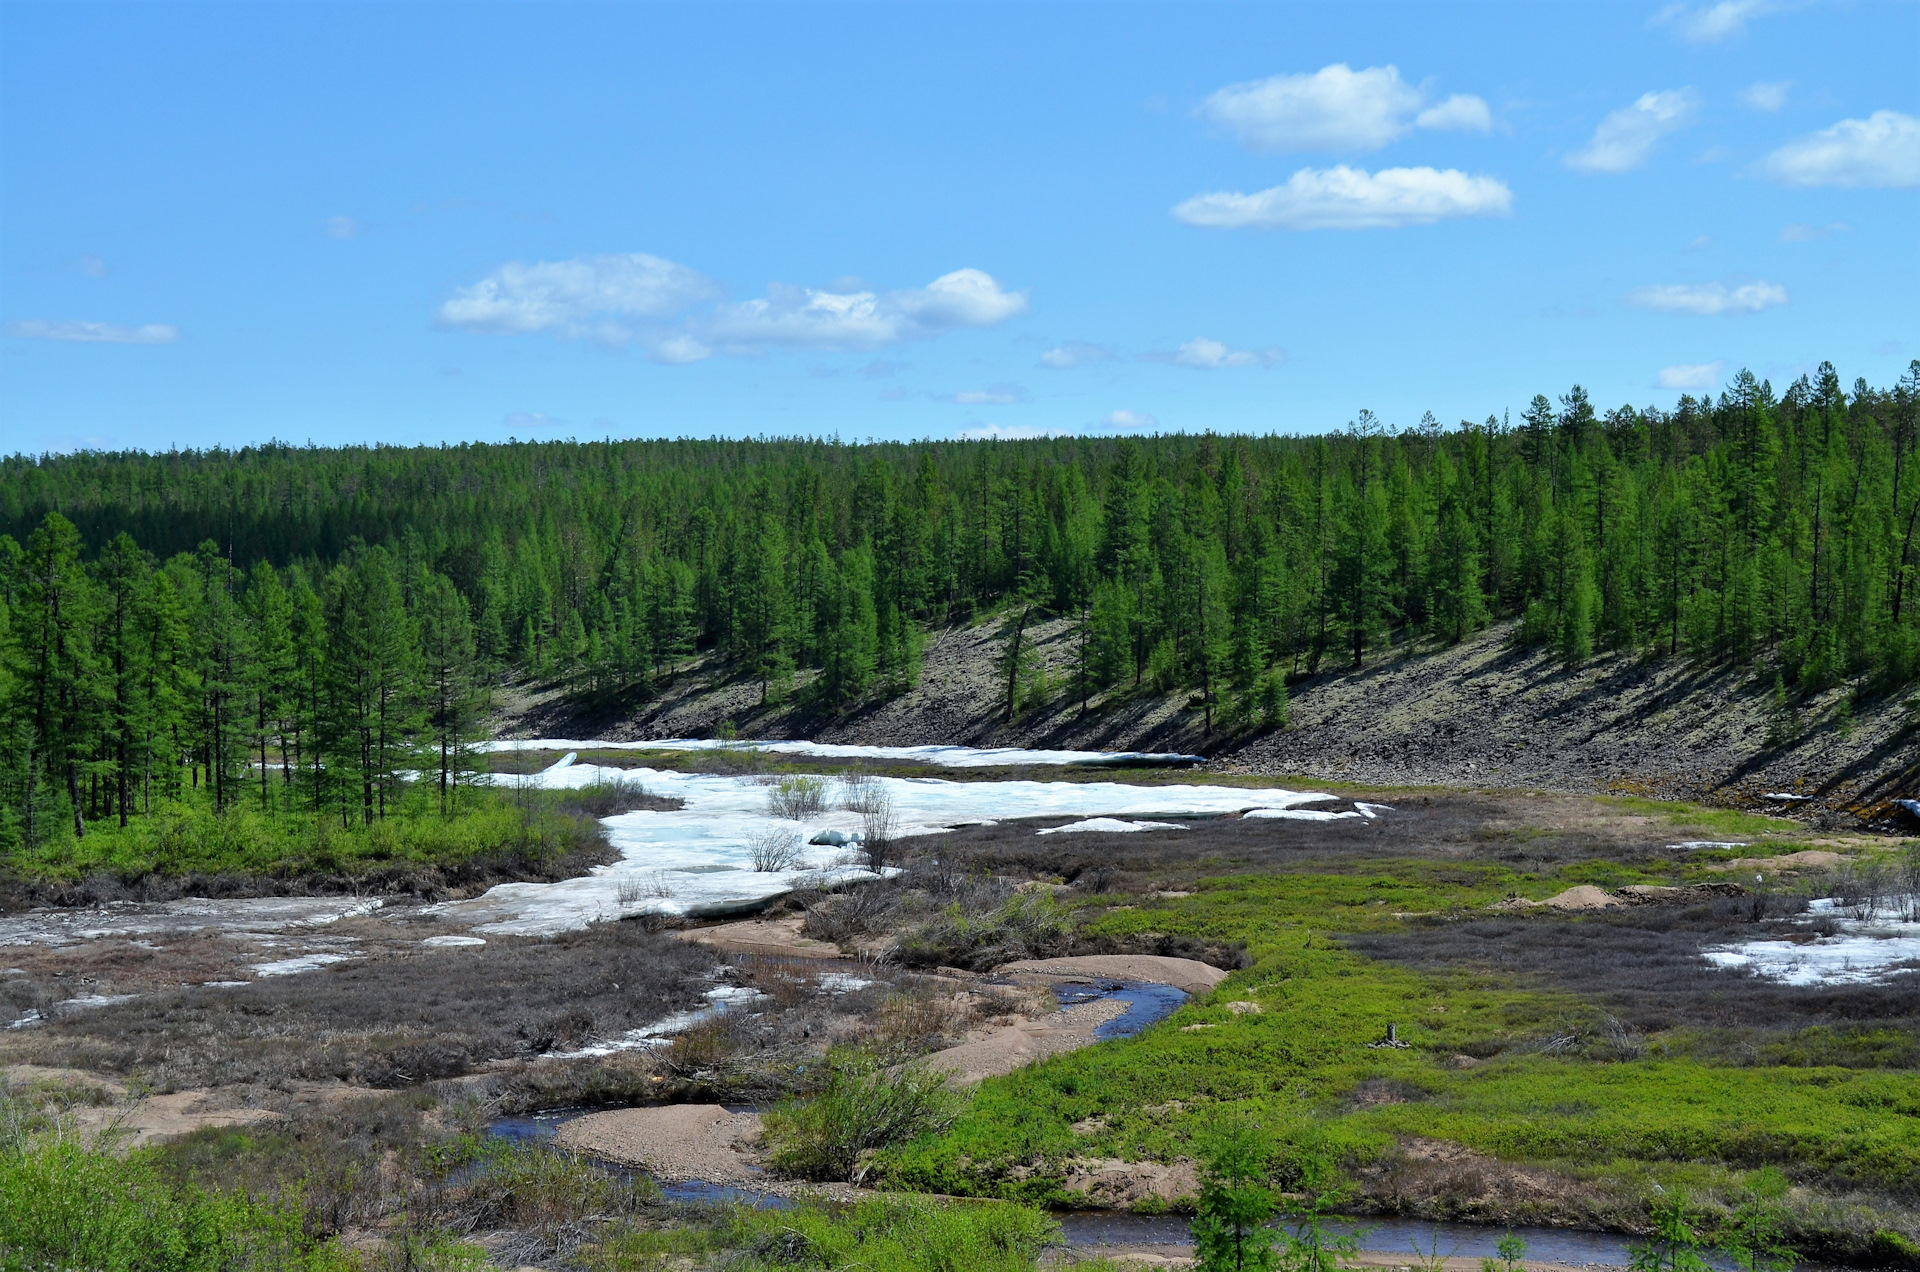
861, 1109
64, 1204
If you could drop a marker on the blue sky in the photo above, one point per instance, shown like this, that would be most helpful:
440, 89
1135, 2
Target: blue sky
429, 222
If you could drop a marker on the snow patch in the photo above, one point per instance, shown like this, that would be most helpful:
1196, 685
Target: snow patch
658, 1034
1112, 825
305, 963
1874, 945
945, 756
451, 942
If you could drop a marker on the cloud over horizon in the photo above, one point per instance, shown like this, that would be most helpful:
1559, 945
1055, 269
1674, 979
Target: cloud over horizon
1708, 299
1344, 198
78, 332
1692, 375
1626, 137
620, 298
1204, 354
1336, 108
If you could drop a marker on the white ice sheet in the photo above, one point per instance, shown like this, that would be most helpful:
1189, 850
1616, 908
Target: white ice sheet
695, 861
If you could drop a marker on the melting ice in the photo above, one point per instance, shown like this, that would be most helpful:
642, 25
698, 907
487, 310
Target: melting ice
1870, 948
696, 861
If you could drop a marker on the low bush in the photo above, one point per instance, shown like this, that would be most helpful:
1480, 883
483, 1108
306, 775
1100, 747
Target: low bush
797, 798
860, 1110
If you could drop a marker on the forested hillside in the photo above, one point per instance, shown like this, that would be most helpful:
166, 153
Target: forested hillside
302, 625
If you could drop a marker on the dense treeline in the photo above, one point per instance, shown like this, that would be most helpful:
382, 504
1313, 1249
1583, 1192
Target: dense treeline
330, 613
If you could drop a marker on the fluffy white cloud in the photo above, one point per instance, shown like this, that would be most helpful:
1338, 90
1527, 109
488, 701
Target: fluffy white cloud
1213, 355
1336, 108
152, 333
1625, 139
1881, 151
1708, 298
1075, 353
1346, 198
1766, 95
586, 296
1711, 23
1131, 421
804, 316
1692, 375
1463, 112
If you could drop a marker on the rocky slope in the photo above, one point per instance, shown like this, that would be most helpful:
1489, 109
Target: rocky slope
1481, 713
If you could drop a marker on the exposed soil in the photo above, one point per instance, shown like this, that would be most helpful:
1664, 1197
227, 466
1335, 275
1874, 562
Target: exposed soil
1478, 714
674, 1142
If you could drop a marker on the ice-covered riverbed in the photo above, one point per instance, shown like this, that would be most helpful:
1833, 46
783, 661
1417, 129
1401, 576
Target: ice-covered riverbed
944, 756
697, 861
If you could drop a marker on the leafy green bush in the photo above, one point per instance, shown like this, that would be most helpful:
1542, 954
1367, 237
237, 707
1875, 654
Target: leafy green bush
861, 1109
65, 1204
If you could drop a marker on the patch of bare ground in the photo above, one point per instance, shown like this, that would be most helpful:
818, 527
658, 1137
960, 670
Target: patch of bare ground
674, 1142
1437, 1179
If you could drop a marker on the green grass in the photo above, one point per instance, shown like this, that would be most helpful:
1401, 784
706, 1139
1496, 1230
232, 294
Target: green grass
185, 836
1715, 821
1294, 1067
884, 1234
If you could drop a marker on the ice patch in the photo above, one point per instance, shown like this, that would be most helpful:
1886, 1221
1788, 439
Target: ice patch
31, 1018
1702, 845
96, 1000
1111, 825
660, 1032
1874, 945
1785, 798
696, 861
451, 942
1371, 811
945, 756
305, 963
843, 983
1300, 814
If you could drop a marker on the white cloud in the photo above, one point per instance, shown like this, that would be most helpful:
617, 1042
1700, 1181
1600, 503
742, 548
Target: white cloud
532, 419
152, 333
1625, 139
680, 350
1766, 95
1463, 112
342, 227
1346, 198
1881, 151
1336, 108
585, 296
1212, 355
1708, 24
1803, 233
1692, 375
1131, 421
992, 395
1010, 432
92, 266
1075, 353
1700, 242
804, 316
1708, 298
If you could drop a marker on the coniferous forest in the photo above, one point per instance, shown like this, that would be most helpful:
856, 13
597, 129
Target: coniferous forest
298, 629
